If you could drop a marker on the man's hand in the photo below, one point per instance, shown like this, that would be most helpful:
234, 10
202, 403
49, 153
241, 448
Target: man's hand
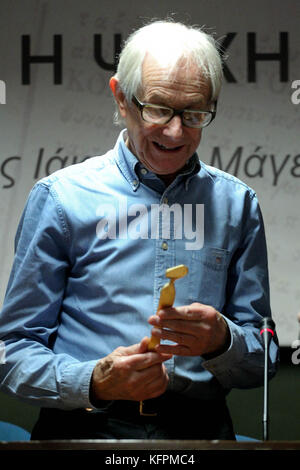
130, 373
196, 330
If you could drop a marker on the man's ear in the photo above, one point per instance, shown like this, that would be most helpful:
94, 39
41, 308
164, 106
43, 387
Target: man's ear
119, 95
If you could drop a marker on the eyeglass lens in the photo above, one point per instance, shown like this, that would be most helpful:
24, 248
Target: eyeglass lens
158, 115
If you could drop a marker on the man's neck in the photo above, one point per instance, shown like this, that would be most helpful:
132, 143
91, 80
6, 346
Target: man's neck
168, 179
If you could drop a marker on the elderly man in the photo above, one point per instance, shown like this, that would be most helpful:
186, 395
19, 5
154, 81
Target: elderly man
92, 249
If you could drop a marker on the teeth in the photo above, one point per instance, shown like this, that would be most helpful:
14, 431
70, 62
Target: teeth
166, 148
163, 147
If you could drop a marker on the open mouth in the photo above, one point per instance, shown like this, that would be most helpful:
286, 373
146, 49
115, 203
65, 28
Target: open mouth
167, 149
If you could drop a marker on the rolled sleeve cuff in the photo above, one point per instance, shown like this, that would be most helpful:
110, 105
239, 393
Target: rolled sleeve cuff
75, 384
222, 366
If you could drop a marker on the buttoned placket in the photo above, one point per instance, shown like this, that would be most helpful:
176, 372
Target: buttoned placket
165, 252
165, 248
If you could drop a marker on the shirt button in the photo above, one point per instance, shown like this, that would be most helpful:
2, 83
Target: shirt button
164, 245
135, 183
165, 200
144, 171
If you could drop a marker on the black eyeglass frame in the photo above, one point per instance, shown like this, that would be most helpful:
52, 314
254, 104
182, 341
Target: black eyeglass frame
176, 112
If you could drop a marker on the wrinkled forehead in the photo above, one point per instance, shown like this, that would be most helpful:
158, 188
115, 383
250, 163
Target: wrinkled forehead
184, 75
171, 67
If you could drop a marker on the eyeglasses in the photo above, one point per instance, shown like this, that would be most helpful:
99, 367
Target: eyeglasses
156, 114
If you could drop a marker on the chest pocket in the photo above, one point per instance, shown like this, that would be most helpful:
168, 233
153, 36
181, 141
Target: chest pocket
208, 276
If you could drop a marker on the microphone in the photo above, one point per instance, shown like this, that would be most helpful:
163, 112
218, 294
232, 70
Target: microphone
267, 331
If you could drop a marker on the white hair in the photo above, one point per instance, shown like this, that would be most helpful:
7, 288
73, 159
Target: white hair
168, 42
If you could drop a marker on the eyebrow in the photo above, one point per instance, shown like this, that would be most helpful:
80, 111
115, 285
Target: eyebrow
159, 101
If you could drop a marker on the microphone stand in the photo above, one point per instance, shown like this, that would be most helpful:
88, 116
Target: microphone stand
266, 398
267, 331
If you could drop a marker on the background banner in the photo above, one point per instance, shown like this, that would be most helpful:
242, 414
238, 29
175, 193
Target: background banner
56, 109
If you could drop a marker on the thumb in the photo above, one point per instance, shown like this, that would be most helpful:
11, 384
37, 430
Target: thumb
143, 346
138, 348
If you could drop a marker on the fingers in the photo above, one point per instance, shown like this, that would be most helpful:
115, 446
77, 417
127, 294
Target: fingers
143, 346
138, 348
194, 312
176, 337
144, 386
185, 344
137, 356
186, 318
146, 360
156, 384
130, 373
178, 350
195, 329
181, 319
135, 350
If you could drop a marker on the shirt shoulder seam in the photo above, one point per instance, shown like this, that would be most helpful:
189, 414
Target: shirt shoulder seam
60, 210
213, 171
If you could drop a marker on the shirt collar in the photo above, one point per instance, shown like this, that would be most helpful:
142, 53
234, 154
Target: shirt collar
135, 173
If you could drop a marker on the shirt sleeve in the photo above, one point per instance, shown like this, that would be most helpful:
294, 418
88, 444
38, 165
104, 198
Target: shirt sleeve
248, 301
30, 316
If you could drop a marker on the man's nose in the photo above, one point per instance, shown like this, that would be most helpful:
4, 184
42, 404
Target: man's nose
174, 128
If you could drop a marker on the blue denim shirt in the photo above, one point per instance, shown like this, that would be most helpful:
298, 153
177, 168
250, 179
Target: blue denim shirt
92, 248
